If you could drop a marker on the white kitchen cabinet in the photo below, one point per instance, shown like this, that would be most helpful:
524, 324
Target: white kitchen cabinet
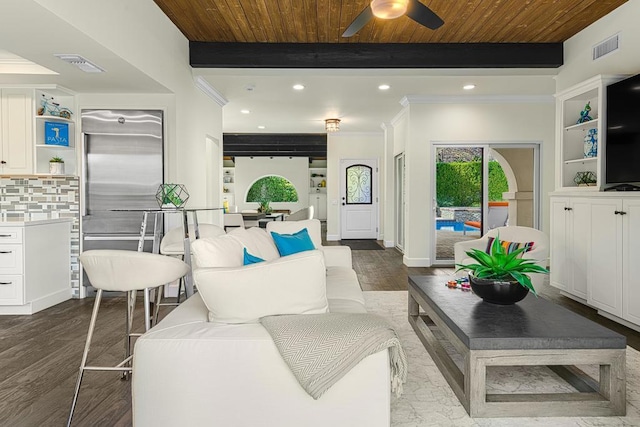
35, 265
16, 134
570, 217
605, 255
319, 203
595, 251
631, 261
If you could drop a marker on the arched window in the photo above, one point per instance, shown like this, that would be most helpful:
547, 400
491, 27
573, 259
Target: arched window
272, 188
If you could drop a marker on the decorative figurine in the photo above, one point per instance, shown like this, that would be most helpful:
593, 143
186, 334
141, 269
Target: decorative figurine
584, 114
591, 143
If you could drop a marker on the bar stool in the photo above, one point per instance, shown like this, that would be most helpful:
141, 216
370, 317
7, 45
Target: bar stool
172, 244
125, 271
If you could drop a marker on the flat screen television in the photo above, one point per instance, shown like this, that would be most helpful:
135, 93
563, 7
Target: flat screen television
622, 160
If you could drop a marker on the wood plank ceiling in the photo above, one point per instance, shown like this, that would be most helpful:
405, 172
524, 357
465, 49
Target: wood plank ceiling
323, 21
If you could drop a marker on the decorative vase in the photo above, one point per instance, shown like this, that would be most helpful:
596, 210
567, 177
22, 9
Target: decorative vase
56, 168
502, 292
591, 143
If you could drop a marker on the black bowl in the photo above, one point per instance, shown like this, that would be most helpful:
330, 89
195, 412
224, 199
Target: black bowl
498, 291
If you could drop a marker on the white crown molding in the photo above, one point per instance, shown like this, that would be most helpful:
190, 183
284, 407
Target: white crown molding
480, 99
210, 91
400, 115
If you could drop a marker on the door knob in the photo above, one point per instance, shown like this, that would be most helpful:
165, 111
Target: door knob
344, 204
2, 162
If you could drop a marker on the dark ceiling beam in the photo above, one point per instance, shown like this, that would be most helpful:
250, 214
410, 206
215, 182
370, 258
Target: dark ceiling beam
375, 55
274, 145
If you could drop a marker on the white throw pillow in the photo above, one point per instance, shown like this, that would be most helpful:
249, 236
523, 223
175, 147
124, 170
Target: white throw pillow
291, 227
257, 242
294, 284
221, 251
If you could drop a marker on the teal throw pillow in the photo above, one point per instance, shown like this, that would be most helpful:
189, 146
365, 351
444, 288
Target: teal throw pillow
250, 259
289, 244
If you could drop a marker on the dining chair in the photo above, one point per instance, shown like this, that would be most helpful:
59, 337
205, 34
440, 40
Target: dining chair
232, 220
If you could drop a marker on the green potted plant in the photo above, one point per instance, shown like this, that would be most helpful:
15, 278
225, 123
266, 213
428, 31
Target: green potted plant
56, 166
264, 207
499, 277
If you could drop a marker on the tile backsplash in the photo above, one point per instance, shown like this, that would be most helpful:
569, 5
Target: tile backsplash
43, 197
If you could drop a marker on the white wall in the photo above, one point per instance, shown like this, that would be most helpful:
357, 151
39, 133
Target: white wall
495, 123
579, 66
142, 35
351, 146
248, 170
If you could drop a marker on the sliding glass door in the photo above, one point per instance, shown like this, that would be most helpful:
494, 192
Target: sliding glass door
459, 197
480, 187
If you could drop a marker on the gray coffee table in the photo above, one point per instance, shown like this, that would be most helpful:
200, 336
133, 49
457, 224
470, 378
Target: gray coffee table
532, 332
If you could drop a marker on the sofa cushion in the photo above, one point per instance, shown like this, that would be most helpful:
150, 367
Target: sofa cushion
290, 227
249, 259
346, 306
342, 283
295, 284
257, 241
221, 251
289, 244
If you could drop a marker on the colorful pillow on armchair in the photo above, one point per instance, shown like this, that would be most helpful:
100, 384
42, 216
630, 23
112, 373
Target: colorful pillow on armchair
510, 246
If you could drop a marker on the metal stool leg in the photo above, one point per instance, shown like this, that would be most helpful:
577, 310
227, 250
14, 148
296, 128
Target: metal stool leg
131, 305
85, 354
158, 300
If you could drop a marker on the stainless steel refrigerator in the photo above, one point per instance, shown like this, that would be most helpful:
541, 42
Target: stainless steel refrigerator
122, 169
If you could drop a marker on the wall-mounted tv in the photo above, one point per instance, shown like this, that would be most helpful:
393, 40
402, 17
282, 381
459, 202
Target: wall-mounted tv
622, 161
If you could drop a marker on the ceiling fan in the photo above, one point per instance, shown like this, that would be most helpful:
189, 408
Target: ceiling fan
390, 9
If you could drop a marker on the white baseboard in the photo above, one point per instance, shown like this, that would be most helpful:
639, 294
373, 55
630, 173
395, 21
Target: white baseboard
389, 244
619, 320
416, 262
39, 304
333, 237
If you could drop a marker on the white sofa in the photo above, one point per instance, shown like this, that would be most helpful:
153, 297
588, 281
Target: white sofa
193, 372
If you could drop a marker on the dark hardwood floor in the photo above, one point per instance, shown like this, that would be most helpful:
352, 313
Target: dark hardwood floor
40, 354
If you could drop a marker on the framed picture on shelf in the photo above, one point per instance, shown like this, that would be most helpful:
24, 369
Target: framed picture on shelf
56, 133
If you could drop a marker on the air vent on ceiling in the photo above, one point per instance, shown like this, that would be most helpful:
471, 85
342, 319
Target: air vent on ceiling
80, 62
606, 47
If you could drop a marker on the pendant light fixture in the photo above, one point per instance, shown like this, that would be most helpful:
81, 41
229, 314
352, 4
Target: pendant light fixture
332, 125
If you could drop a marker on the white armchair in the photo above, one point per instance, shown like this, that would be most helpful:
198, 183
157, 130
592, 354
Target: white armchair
540, 251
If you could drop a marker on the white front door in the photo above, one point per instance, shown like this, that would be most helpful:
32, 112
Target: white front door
359, 199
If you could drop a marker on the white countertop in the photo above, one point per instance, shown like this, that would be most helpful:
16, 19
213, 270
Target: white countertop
25, 222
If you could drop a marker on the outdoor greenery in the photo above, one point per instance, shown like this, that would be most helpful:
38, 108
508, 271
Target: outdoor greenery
459, 183
272, 188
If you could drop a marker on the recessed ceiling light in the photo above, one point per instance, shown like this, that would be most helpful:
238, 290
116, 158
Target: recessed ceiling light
245, 111
261, 127
384, 87
298, 87
469, 87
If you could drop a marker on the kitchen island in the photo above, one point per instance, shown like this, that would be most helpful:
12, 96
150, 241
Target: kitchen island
35, 264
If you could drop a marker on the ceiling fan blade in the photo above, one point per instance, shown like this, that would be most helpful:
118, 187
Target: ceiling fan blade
361, 20
423, 15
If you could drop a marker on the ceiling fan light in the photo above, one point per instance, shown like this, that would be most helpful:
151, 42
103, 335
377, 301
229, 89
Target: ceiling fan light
332, 125
389, 9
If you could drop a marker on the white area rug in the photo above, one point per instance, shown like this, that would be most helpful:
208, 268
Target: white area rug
429, 401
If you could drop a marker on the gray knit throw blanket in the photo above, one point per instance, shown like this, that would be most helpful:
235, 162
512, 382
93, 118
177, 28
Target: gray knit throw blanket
321, 348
